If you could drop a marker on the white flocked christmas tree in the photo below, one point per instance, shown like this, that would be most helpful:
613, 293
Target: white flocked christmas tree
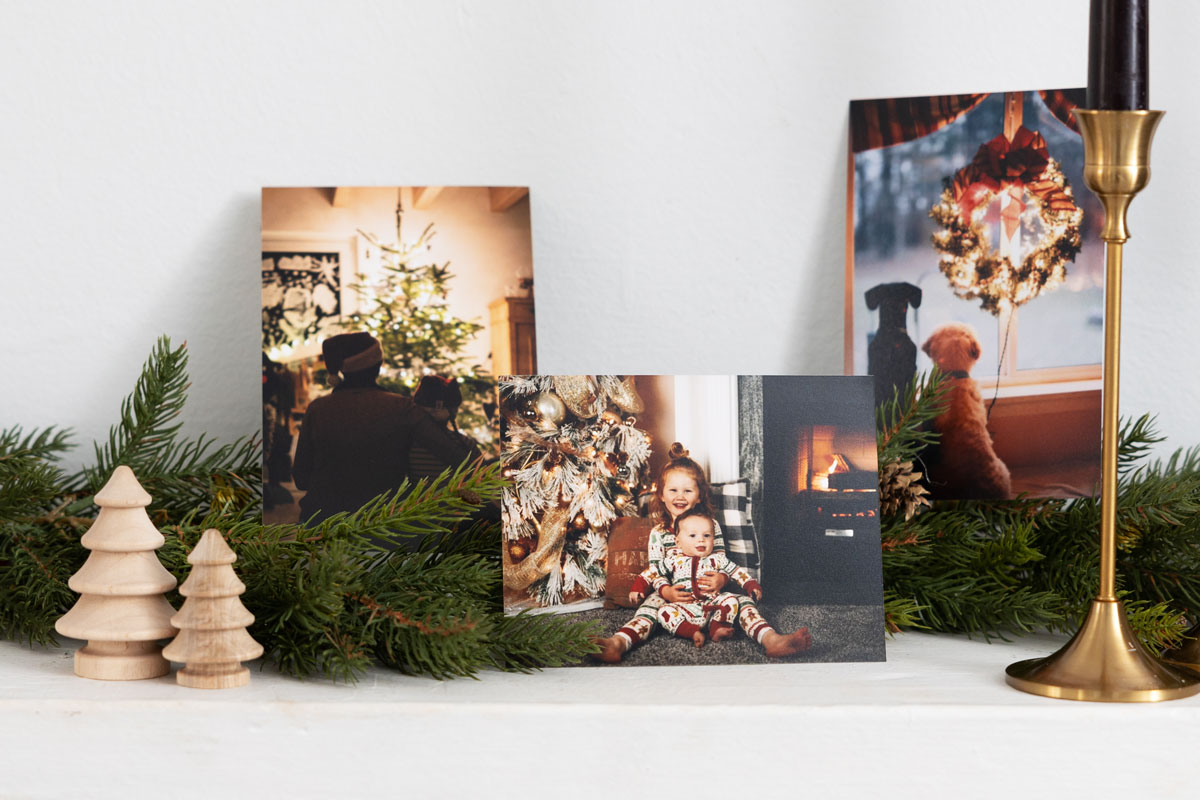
576, 460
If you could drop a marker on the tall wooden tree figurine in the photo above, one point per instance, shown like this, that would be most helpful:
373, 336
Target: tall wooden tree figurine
212, 623
121, 611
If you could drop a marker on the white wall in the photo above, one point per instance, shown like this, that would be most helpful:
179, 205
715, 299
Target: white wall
686, 163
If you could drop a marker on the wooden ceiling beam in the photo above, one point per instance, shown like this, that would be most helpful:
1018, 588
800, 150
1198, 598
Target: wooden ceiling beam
505, 197
423, 196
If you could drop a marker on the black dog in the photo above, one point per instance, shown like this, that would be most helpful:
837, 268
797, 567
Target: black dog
891, 355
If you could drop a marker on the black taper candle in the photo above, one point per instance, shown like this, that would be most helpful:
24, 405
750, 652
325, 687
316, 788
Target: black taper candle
1119, 55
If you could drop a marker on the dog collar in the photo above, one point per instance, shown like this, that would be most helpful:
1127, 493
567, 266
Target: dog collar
958, 373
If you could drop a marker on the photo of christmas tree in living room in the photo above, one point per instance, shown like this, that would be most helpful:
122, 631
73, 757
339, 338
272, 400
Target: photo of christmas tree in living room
386, 314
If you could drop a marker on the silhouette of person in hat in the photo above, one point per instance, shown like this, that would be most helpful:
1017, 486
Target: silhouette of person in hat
440, 397
355, 442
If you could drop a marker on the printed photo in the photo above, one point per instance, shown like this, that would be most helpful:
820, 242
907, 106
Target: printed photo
973, 246
696, 519
386, 314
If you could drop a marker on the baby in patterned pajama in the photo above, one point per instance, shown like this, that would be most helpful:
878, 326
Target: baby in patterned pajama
681, 487
693, 555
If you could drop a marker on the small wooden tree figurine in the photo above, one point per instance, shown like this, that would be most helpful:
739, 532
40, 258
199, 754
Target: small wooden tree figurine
212, 622
121, 611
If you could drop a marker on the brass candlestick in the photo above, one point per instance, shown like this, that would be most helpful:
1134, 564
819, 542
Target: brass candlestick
1104, 660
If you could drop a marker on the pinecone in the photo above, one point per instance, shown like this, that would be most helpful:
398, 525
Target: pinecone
899, 490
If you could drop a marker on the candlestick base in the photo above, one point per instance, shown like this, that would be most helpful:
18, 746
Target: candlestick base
1104, 662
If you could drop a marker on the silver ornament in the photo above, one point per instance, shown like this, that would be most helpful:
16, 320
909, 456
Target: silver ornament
550, 408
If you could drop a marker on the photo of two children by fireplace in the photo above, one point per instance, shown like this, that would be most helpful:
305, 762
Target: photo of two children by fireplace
745, 523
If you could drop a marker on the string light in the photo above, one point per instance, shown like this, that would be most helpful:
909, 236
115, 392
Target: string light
976, 272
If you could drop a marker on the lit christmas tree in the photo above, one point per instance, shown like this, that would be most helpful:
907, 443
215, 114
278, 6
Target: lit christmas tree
576, 461
406, 309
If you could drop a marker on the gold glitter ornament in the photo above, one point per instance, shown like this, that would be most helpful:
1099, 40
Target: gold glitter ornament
580, 393
623, 393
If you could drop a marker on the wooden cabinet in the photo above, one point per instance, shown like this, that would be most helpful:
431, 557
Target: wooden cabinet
514, 338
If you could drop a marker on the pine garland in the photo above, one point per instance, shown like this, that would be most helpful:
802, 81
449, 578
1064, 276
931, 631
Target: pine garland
999, 568
406, 582
409, 583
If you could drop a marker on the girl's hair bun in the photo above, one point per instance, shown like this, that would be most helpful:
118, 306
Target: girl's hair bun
677, 451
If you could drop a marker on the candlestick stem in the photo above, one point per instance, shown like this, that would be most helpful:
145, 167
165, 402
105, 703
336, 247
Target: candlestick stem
1110, 420
1104, 660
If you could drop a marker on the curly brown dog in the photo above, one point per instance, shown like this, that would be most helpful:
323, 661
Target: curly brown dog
968, 465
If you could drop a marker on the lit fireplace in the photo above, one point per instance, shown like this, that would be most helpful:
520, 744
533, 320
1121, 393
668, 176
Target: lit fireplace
836, 478
821, 479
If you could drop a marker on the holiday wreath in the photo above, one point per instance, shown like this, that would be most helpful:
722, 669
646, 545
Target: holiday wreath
1021, 168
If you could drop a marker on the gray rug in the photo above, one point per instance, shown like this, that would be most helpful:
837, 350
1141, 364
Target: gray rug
840, 633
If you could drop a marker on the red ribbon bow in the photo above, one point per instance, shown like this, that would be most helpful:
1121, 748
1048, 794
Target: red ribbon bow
1003, 166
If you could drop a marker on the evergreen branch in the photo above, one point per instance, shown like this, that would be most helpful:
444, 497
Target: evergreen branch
182, 475
1136, 439
29, 479
901, 612
1158, 626
443, 636
37, 445
963, 570
35, 564
903, 421
192, 476
145, 433
527, 642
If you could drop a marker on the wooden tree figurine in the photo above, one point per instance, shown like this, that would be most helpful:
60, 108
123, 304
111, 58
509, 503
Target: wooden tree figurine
121, 611
212, 622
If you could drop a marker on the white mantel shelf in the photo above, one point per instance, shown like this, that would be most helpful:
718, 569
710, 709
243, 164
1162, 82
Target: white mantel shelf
936, 720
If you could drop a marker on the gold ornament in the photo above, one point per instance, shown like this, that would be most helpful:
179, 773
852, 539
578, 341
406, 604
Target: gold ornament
519, 549
579, 523
581, 394
550, 410
623, 393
